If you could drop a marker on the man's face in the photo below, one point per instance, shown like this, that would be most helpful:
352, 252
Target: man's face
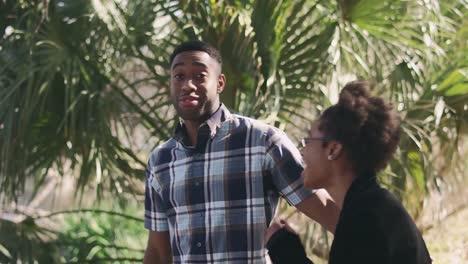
196, 82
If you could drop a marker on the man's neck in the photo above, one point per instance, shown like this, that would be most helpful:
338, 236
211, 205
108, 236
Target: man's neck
191, 128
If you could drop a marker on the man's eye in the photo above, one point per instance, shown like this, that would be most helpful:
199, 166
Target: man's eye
201, 75
178, 76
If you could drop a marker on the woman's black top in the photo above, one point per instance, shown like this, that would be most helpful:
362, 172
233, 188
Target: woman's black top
373, 227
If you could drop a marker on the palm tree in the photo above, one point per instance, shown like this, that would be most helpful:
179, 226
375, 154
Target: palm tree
62, 79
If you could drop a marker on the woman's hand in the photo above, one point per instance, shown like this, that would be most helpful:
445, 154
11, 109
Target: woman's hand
284, 245
275, 226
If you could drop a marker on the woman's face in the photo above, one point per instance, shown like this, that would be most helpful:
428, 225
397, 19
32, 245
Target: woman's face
317, 165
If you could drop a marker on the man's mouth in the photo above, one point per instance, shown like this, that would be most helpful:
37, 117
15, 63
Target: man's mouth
189, 101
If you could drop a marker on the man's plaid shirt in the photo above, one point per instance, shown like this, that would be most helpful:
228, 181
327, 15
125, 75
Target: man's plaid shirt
216, 199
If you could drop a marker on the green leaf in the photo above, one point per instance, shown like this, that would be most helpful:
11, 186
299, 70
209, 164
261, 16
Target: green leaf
455, 84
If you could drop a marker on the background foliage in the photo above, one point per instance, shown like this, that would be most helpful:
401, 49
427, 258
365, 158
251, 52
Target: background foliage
84, 100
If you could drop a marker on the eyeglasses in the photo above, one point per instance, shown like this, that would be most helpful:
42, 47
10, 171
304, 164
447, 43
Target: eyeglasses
306, 140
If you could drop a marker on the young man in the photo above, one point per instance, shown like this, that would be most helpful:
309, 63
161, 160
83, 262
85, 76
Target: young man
212, 189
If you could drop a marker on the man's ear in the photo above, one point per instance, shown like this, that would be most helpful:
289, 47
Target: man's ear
221, 83
334, 150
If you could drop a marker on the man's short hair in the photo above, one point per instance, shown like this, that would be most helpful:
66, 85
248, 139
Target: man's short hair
196, 45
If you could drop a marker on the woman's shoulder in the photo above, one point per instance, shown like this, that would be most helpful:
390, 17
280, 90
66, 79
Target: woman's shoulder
381, 211
376, 210
380, 206
377, 219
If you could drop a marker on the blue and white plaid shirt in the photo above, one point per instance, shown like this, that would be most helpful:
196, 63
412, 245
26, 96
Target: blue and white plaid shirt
216, 199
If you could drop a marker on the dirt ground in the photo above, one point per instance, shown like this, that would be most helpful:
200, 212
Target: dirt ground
448, 240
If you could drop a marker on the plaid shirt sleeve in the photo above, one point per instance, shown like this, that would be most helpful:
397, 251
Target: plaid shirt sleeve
286, 167
155, 213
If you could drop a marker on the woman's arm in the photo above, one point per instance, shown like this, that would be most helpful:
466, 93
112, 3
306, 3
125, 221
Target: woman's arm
284, 245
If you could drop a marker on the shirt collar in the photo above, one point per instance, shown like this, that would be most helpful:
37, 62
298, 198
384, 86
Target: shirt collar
213, 122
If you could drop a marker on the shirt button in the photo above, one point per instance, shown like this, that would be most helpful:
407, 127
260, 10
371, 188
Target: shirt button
198, 244
197, 183
201, 214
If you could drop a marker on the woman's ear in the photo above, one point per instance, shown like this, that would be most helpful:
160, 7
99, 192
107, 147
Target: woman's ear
334, 150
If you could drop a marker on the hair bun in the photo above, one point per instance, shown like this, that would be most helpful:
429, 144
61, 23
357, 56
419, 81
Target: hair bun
355, 98
355, 94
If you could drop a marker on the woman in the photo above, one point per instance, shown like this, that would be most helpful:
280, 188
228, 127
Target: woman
345, 148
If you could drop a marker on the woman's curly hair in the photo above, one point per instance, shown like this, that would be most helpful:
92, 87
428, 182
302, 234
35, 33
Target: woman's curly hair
366, 126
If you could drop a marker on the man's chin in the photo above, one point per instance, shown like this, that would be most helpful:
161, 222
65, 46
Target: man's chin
194, 116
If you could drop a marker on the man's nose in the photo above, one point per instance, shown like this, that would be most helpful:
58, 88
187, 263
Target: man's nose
188, 85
